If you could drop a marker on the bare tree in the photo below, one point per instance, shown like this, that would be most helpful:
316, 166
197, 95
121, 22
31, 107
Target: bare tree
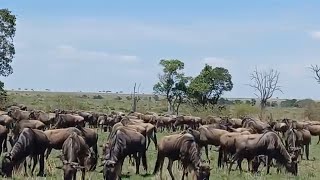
265, 83
316, 70
135, 98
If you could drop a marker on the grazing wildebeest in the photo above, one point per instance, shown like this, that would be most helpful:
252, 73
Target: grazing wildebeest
75, 152
31, 142
269, 144
181, 147
125, 142
298, 138
58, 136
257, 125
314, 130
46, 118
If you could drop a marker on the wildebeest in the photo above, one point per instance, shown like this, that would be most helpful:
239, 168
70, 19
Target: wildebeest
31, 142
58, 136
68, 120
46, 118
258, 126
207, 135
125, 142
298, 138
314, 130
268, 143
75, 152
6, 120
18, 114
20, 125
181, 147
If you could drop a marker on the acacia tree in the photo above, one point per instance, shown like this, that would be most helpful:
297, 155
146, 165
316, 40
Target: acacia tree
265, 83
316, 70
172, 83
209, 85
7, 51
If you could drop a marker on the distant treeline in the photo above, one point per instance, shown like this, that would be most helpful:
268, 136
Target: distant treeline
284, 103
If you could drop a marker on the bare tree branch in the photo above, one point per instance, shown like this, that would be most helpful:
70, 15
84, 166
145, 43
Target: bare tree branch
266, 83
316, 70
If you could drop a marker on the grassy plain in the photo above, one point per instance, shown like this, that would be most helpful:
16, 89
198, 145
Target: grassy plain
86, 101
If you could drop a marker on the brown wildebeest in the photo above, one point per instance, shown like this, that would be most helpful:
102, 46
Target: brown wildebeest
183, 121
125, 142
151, 130
302, 138
58, 136
269, 144
18, 114
279, 127
75, 152
181, 147
206, 135
44, 117
20, 125
314, 130
163, 122
6, 120
31, 142
68, 120
227, 146
3, 138
257, 125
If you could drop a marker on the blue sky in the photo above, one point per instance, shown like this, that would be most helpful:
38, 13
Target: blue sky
108, 45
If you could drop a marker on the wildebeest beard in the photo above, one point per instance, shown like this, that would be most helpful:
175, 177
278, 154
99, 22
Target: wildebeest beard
190, 156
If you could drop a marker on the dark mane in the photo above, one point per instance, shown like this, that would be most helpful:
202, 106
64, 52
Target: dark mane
117, 147
190, 153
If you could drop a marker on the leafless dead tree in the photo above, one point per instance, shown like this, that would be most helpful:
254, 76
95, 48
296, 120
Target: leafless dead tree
316, 70
265, 83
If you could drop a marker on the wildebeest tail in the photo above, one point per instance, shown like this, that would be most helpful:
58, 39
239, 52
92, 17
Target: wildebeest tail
144, 160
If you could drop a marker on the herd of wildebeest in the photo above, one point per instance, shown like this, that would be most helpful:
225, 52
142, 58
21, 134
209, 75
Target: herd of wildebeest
33, 134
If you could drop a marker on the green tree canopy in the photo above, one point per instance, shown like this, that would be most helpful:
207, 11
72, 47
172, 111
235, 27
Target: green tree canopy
7, 51
209, 85
172, 83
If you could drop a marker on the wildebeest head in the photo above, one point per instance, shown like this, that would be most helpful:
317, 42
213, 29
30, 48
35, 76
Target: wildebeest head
109, 170
7, 165
70, 168
292, 166
203, 172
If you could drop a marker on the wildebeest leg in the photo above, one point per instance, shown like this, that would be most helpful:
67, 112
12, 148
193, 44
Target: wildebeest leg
318, 140
25, 167
268, 164
1, 142
234, 159
41, 167
207, 153
154, 139
137, 157
144, 160
48, 152
170, 168
307, 151
35, 162
239, 162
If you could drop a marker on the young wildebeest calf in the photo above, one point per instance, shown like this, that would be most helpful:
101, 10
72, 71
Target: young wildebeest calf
31, 142
75, 152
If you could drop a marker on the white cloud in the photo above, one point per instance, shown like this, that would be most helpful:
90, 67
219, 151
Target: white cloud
315, 34
68, 52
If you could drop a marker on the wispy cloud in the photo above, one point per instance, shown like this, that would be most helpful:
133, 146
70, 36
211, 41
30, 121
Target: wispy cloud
68, 52
315, 34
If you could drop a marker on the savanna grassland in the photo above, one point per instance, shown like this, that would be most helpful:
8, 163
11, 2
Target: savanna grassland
106, 103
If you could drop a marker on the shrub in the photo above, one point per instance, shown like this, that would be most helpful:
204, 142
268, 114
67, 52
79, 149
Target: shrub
305, 103
244, 110
97, 97
156, 98
312, 112
129, 98
118, 98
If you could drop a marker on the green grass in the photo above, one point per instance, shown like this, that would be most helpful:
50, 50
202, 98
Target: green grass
85, 101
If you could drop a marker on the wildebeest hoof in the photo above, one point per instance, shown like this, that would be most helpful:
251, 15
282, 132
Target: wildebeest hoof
41, 174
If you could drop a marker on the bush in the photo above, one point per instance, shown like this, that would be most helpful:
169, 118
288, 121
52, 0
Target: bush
118, 98
244, 110
97, 97
305, 103
129, 98
312, 112
156, 98
288, 103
